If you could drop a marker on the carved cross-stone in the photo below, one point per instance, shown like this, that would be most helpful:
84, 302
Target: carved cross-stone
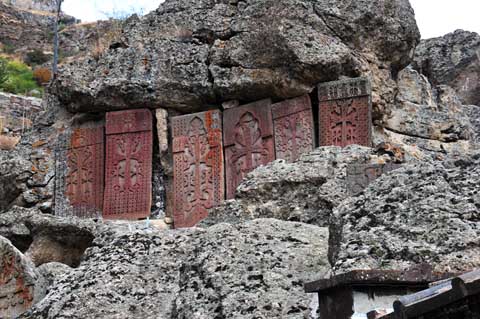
248, 139
128, 181
345, 112
198, 166
293, 126
80, 172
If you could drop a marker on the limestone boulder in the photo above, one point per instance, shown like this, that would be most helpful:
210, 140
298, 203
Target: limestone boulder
452, 60
420, 213
187, 55
255, 269
45, 238
427, 120
20, 283
305, 191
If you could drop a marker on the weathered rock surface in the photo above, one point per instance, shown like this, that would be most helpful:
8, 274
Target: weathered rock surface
20, 284
40, 5
188, 54
306, 190
250, 270
28, 171
45, 238
425, 120
420, 213
453, 60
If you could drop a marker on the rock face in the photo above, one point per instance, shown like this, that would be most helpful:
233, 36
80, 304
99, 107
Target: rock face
46, 238
23, 29
256, 269
425, 119
453, 60
41, 5
188, 54
29, 168
424, 213
20, 284
304, 191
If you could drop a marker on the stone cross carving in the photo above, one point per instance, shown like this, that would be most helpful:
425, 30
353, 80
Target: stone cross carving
128, 179
345, 112
248, 139
198, 166
80, 172
293, 126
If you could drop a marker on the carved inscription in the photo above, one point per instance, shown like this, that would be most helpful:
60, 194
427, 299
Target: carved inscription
293, 126
248, 139
128, 181
345, 112
16, 282
80, 173
198, 166
359, 176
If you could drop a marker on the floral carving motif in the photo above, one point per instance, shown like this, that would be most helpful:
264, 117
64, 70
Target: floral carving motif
343, 119
80, 177
198, 166
249, 150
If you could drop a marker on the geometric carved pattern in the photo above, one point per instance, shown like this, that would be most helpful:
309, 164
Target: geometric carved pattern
293, 125
128, 179
359, 176
198, 166
248, 139
345, 112
80, 173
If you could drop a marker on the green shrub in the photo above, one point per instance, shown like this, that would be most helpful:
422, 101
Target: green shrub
36, 57
3, 70
20, 79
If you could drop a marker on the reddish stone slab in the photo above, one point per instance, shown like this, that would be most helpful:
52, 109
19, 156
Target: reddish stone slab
80, 173
293, 127
198, 166
345, 112
128, 179
248, 140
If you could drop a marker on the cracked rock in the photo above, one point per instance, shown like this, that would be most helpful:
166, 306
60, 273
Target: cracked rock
250, 270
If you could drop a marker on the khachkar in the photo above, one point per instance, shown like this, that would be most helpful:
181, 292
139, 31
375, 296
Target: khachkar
293, 126
198, 166
128, 179
345, 112
248, 139
80, 171
17, 281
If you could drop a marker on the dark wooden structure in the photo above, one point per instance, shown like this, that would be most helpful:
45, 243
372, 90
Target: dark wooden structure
457, 298
356, 293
